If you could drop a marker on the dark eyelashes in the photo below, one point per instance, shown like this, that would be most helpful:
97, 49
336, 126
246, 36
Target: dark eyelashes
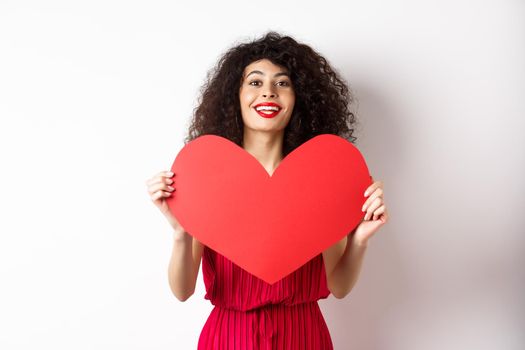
257, 81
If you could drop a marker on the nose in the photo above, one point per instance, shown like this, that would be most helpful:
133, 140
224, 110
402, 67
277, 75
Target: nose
269, 92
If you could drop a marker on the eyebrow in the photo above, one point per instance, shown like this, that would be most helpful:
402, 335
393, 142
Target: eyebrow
275, 75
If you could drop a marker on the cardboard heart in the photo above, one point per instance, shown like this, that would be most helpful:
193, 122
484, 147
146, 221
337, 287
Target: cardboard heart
269, 225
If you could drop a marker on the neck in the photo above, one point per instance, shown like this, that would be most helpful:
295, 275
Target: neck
266, 147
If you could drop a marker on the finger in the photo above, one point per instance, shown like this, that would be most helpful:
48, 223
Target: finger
384, 216
160, 186
370, 189
159, 176
159, 194
373, 206
373, 187
166, 173
377, 193
156, 195
378, 212
160, 180
155, 181
165, 180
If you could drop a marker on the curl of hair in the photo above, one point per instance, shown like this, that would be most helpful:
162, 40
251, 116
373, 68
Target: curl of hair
322, 96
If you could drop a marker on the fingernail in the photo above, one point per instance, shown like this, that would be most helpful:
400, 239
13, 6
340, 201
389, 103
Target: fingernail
170, 173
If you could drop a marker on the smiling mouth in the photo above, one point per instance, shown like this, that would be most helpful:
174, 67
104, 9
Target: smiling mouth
267, 111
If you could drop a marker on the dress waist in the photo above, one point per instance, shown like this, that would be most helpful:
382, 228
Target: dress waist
264, 316
264, 305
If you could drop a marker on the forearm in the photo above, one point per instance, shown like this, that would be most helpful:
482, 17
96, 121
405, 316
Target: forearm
180, 274
348, 268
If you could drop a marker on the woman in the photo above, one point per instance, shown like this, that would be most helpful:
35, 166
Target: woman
269, 96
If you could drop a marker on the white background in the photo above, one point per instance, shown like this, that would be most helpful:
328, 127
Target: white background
95, 98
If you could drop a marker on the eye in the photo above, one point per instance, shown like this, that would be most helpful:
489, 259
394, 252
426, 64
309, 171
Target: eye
256, 83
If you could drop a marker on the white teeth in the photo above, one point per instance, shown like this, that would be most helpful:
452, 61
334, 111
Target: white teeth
267, 108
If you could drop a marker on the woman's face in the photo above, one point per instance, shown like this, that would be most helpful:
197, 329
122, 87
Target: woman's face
266, 95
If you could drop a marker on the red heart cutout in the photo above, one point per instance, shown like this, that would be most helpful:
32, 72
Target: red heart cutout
269, 225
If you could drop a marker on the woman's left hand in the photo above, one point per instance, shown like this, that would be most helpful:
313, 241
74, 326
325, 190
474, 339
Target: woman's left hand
376, 214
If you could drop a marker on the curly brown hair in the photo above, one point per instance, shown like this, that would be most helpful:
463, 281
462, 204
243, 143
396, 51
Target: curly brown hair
322, 96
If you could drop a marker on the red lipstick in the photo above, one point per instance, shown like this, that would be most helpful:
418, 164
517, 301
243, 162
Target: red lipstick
271, 110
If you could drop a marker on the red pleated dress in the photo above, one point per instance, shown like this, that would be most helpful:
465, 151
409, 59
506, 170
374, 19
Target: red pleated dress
250, 314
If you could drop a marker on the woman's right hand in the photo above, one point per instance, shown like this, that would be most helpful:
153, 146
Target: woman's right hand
160, 187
